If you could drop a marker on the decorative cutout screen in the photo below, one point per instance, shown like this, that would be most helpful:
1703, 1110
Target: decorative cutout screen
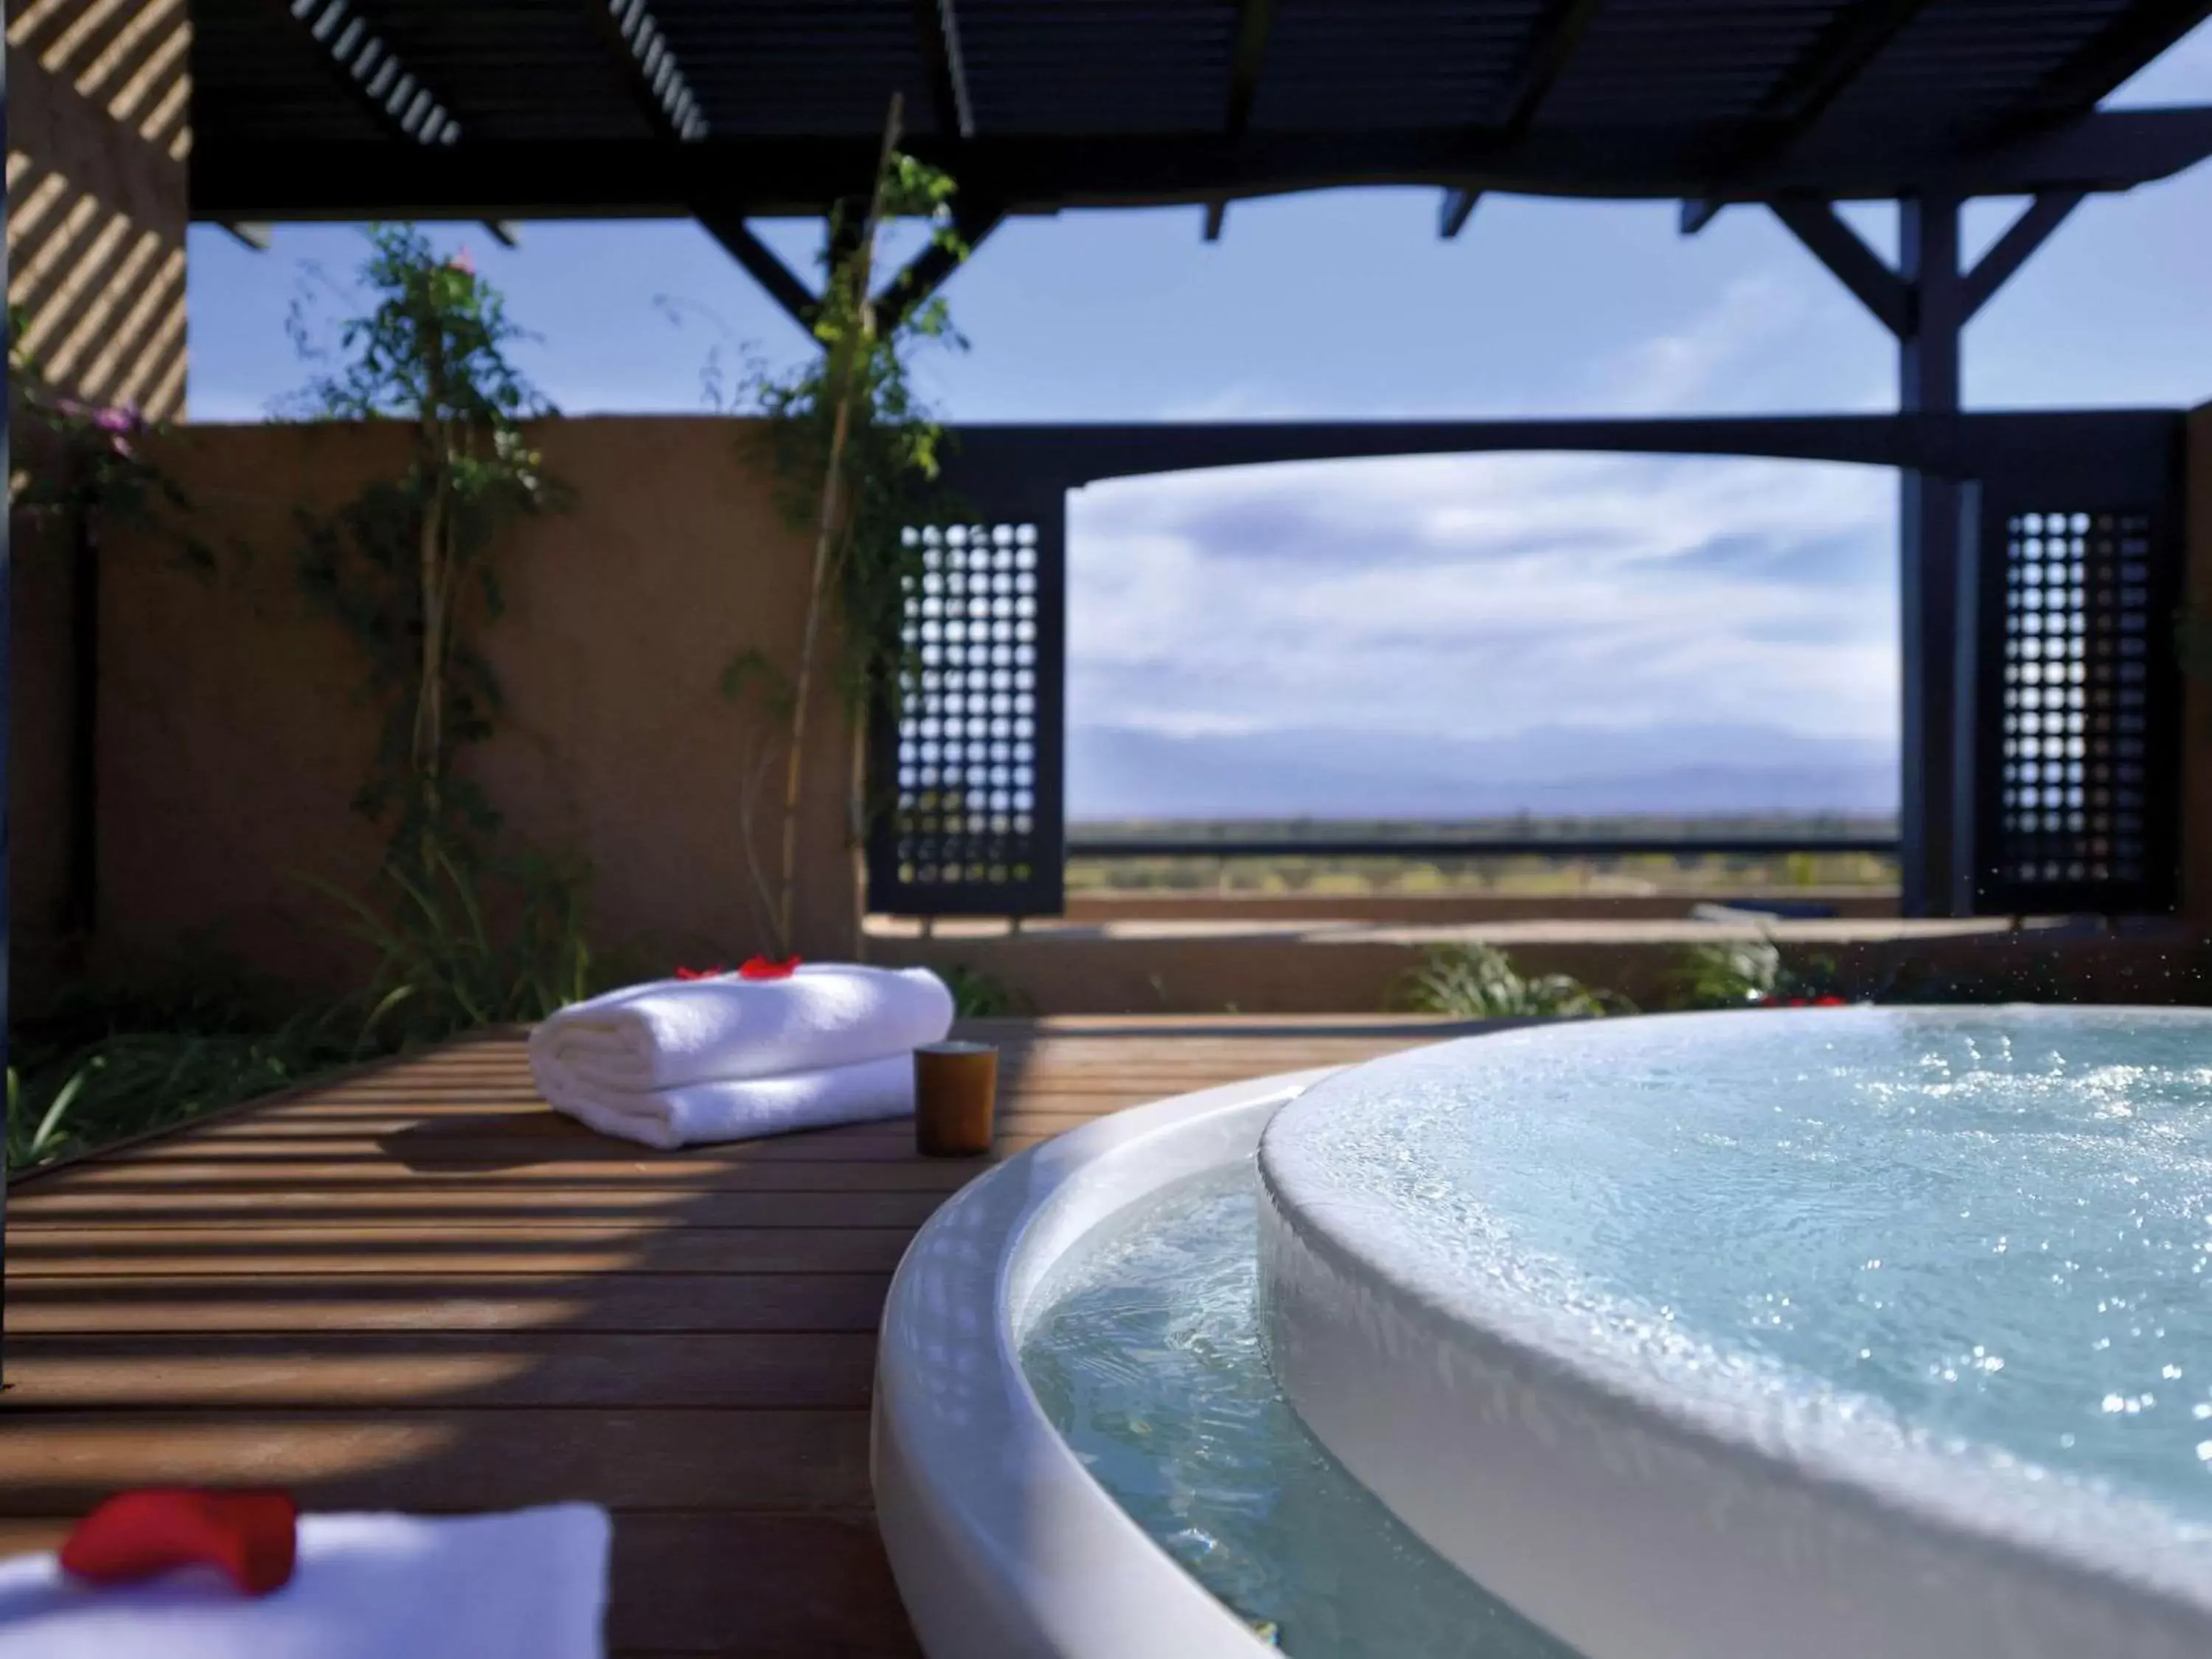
969, 783
2080, 815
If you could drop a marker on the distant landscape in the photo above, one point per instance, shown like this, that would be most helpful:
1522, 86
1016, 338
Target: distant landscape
1124, 773
1803, 867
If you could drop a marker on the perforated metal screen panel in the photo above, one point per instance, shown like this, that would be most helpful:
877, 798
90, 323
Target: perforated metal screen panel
2078, 717
966, 778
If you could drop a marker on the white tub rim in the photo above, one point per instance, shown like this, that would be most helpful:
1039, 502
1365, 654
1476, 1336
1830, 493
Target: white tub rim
1001, 1541
1977, 1516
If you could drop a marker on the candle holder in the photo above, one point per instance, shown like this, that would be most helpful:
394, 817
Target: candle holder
956, 1086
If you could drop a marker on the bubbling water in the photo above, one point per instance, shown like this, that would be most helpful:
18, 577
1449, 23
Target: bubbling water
1971, 1241
1991, 1227
1148, 1359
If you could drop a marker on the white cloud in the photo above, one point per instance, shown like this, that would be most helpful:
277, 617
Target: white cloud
1485, 595
1742, 352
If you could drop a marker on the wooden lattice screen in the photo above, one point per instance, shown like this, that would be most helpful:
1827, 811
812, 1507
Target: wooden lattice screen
2077, 730
966, 780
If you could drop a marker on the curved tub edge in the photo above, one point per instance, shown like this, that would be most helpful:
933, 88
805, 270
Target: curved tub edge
1001, 1544
1634, 1529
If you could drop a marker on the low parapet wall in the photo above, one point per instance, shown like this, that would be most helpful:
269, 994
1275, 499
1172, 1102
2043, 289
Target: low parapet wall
1349, 969
1450, 910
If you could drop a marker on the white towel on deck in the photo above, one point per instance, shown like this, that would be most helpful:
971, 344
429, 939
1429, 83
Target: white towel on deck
670, 1033
737, 1109
531, 1584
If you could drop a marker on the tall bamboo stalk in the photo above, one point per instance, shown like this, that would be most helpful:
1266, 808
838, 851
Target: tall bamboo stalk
849, 349
434, 556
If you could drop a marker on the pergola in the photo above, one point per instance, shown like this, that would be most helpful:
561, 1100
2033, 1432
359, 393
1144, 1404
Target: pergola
2038, 551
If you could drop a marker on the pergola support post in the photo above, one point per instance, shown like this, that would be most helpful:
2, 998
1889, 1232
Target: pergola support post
1930, 526
1926, 302
7, 731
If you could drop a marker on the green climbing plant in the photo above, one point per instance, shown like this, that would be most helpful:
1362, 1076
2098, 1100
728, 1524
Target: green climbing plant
87, 460
468, 927
857, 454
407, 564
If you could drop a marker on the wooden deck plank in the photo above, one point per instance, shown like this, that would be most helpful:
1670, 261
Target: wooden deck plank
414, 1287
447, 1458
580, 1249
301, 1303
811, 1586
473, 1204
369, 1172
758, 1369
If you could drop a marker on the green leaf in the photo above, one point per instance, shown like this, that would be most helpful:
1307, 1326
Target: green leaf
50, 1125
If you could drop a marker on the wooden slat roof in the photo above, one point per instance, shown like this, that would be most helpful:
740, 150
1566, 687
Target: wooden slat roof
308, 109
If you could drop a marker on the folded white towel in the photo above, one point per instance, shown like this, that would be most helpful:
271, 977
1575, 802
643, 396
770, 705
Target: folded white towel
739, 1108
531, 1584
669, 1033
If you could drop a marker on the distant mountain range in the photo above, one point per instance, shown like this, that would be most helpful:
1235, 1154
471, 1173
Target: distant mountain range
1125, 772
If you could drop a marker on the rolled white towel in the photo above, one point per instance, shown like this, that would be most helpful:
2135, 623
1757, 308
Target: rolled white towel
739, 1108
529, 1584
670, 1033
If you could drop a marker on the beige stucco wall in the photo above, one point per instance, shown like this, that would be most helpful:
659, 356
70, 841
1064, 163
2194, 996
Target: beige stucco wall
97, 141
42, 730
233, 735
2197, 709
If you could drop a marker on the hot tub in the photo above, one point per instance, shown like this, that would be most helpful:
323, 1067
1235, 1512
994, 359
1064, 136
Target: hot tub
1737, 1334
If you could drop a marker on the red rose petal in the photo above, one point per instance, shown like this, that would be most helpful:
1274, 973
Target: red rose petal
251, 1537
715, 972
762, 967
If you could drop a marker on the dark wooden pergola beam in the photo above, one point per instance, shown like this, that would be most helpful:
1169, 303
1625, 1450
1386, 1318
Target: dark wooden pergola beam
923, 275
1893, 296
1557, 30
1457, 207
1544, 56
1803, 94
260, 237
927, 271
663, 97
1849, 260
369, 73
2010, 251
936, 27
349, 180
649, 69
799, 302
2136, 37
1256, 21
1698, 213
1852, 41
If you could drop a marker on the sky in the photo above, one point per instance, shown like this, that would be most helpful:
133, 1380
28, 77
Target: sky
1484, 598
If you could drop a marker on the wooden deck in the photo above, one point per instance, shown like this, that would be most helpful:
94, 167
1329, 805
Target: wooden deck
417, 1288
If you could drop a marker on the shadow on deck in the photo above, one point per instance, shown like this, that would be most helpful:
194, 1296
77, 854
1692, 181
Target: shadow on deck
417, 1288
